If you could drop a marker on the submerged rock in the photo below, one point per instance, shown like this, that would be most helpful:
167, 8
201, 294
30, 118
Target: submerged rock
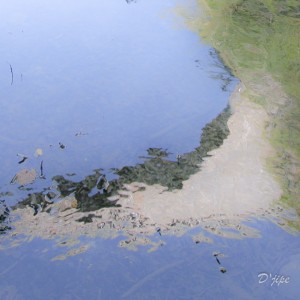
25, 177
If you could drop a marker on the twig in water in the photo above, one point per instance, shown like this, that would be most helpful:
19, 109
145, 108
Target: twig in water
23, 158
13, 179
62, 146
41, 168
12, 74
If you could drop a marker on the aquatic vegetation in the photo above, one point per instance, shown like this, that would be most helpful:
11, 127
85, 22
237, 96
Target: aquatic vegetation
95, 191
4, 217
158, 170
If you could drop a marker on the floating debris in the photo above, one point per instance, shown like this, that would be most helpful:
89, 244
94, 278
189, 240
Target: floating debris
217, 254
23, 158
38, 152
61, 146
80, 133
41, 168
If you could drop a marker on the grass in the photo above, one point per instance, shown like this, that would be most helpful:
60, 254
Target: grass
259, 37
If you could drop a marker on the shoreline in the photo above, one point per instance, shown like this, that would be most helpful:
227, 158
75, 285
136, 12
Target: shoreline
232, 187
233, 184
233, 180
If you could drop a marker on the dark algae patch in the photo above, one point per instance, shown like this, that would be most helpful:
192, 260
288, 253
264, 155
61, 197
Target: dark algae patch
156, 169
255, 38
95, 191
4, 217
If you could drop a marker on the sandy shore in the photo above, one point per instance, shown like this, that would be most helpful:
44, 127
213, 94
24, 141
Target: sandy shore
233, 181
232, 186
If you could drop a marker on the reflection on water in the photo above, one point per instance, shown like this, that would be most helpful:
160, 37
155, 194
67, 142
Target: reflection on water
98, 99
180, 269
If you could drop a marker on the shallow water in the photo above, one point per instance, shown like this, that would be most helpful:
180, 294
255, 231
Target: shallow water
180, 269
107, 79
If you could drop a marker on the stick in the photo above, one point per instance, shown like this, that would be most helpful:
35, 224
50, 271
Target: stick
12, 74
42, 174
23, 159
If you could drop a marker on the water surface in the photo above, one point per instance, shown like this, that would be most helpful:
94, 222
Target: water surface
107, 79
180, 269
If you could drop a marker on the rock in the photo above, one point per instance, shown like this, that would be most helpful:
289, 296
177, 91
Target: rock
25, 176
66, 203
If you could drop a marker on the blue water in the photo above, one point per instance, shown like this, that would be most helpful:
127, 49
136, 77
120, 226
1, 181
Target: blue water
123, 77
180, 269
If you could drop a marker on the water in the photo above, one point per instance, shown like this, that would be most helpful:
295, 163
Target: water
180, 269
107, 79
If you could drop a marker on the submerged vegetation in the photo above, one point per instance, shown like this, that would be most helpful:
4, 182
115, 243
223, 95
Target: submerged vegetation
95, 191
158, 170
4, 217
257, 37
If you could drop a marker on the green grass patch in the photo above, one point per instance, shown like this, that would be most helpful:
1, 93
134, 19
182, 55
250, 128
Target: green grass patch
259, 37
